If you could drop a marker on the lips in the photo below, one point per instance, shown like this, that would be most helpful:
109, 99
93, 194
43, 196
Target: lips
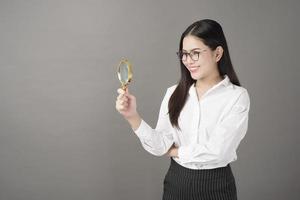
193, 69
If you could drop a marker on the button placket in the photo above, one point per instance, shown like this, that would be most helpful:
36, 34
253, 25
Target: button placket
195, 123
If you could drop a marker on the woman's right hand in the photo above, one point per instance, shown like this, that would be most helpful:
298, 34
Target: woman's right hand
126, 104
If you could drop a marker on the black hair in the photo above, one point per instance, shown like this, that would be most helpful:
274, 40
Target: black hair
211, 34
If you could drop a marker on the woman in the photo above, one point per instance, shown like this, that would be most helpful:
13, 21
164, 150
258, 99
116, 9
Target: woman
202, 119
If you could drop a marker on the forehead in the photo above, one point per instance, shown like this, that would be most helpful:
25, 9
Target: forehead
191, 42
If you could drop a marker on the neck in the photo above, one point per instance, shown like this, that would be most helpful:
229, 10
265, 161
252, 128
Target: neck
208, 82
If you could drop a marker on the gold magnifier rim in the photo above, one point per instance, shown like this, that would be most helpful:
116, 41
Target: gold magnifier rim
129, 69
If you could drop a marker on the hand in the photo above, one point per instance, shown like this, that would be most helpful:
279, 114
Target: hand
126, 104
173, 151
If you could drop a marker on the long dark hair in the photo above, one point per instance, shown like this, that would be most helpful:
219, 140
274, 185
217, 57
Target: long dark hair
211, 34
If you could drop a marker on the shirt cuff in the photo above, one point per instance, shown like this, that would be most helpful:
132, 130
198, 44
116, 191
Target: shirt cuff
143, 129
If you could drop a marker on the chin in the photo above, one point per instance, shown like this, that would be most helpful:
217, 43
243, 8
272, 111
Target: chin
196, 76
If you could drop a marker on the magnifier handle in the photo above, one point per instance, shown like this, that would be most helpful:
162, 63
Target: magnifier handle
124, 87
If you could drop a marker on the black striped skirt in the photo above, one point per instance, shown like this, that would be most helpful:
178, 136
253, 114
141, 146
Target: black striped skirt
182, 183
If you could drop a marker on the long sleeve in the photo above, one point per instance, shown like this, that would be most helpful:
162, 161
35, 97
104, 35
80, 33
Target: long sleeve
223, 139
157, 141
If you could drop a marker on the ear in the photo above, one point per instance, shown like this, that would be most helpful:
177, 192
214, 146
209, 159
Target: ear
218, 53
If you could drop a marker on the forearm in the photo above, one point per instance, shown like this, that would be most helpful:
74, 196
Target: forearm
155, 141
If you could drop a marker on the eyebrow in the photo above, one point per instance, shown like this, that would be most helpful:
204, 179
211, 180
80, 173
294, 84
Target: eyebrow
191, 49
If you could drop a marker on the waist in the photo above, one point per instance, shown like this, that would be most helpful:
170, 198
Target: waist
195, 165
213, 173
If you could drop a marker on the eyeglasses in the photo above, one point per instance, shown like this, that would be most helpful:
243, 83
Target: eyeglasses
194, 54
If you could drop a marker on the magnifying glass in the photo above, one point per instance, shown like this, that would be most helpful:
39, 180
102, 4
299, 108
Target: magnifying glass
124, 73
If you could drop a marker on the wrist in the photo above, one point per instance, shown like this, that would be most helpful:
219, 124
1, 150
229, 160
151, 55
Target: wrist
175, 152
134, 121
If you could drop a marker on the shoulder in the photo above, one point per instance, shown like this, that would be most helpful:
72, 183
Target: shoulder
241, 93
172, 88
238, 89
169, 92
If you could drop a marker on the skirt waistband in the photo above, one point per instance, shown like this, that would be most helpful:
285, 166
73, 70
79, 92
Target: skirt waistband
204, 174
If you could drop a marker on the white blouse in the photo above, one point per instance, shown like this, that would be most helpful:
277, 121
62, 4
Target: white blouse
211, 129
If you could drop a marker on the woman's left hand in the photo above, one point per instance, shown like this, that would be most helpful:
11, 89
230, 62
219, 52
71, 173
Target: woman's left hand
173, 151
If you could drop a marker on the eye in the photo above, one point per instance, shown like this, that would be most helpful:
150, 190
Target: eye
195, 52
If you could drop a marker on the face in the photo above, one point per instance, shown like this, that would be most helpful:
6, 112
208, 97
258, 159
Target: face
206, 65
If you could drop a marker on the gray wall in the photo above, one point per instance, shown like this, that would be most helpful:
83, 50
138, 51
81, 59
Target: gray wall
60, 135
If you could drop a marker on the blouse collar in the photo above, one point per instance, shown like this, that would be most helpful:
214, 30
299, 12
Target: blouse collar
225, 82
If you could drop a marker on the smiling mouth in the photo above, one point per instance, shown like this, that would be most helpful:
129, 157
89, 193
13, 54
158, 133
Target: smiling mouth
193, 68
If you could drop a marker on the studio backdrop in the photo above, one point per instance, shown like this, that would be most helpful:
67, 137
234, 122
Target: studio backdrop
61, 137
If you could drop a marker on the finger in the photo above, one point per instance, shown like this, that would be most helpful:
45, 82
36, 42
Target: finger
122, 95
120, 107
117, 107
123, 107
123, 102
120, 103
122, 98
121, 91
125, 99
127, 91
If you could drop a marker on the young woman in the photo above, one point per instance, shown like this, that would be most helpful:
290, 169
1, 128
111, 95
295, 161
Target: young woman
202, 119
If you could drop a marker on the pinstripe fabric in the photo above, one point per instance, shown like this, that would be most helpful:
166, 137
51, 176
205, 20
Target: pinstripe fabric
182, 183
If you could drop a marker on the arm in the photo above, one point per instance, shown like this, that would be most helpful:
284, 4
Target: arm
225, 137
156, 141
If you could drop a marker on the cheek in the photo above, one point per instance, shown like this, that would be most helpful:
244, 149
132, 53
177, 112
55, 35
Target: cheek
202, 63
207, 61
196, 63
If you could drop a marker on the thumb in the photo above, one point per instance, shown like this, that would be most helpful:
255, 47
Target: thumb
127, 91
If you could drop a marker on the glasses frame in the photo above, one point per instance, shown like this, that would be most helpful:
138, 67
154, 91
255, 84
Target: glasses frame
190, 54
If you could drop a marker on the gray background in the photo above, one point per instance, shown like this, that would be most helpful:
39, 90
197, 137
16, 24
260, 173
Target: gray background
60, 135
